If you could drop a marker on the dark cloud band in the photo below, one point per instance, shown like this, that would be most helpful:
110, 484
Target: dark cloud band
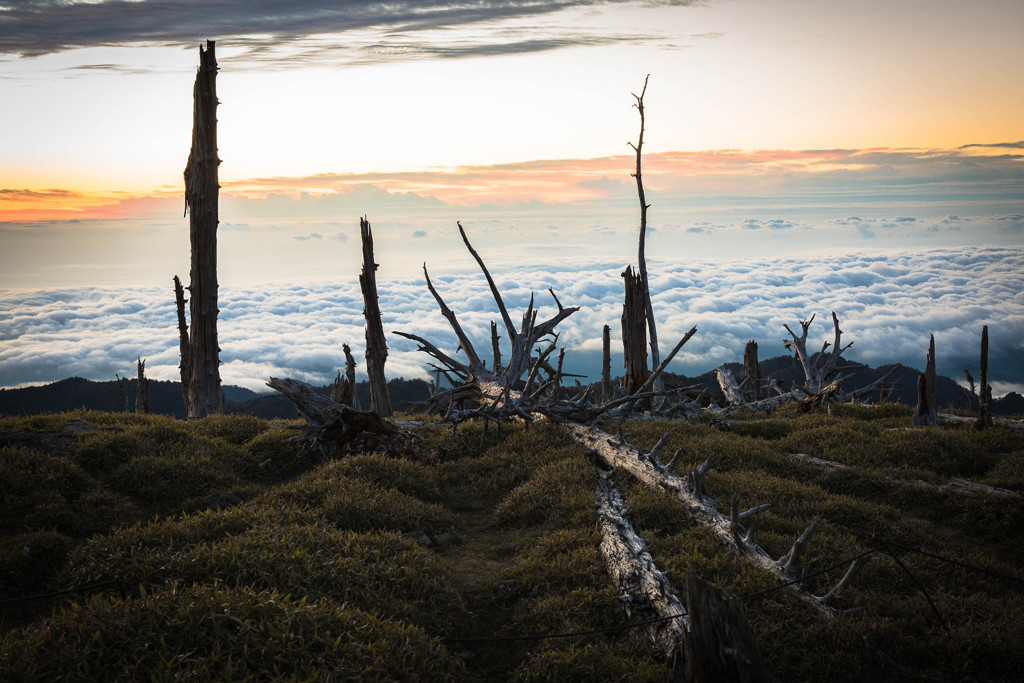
37, 27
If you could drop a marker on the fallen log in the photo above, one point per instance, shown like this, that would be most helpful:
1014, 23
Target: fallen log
334, 430
645, 592
649, 469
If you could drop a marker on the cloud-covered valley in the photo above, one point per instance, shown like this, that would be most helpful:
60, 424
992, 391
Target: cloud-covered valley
888, 303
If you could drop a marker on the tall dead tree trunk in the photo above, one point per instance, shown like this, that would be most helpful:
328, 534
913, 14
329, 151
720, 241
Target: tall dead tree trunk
751, 372
376, 344
142, 390
641, 256
984, 390
606, 364
634, 331
926, 412
200, 366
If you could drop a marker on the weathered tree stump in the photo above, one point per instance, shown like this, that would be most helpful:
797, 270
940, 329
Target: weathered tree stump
634, 332
720, 647
344, 389
334, 430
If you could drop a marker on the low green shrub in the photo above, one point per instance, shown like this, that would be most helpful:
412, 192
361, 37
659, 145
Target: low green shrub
216, 633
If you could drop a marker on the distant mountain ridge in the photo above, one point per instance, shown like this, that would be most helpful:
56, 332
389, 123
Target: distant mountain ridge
165, 397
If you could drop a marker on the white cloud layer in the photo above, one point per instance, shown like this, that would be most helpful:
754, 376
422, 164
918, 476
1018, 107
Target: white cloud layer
888, 303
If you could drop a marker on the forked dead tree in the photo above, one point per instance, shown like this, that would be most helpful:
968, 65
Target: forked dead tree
819, 370
376, 344
473, 374
200, 353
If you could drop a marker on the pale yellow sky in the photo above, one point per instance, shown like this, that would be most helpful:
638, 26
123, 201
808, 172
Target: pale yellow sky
734, 74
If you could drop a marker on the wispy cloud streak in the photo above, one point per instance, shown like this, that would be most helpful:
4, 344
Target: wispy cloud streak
285, 32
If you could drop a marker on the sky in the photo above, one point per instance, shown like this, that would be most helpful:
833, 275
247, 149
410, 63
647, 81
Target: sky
799, 157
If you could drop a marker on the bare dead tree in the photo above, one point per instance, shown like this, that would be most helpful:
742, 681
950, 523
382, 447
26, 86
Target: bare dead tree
641, 256
926, 412
819, 371
376, 344
200, 365
142, 389
522, 341
984, 390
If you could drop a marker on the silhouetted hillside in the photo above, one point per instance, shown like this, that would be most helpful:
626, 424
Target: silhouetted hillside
165, 397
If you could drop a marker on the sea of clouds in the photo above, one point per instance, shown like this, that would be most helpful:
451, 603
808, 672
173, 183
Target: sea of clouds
887, 302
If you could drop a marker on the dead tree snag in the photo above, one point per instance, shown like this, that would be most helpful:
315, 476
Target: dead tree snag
634, 331
200, 366
819, 370
751, 383
344, 389
719, 644
142, 390
376, 344
926, 412
641, 256
606, 364
984, 390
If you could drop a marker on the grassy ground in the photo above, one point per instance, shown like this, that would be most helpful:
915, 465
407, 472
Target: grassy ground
311, 573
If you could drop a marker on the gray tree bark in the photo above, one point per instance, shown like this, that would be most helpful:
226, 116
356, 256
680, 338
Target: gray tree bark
376, 344
202, 363
634, 332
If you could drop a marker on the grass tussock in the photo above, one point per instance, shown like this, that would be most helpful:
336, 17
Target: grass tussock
311, 575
